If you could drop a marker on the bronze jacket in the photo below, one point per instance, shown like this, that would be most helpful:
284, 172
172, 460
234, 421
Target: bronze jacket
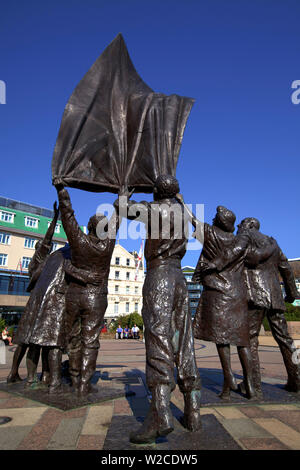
88, 254
263, 284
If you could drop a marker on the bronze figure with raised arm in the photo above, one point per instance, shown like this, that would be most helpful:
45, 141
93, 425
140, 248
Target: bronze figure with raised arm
222, 313
167, 320
86, 301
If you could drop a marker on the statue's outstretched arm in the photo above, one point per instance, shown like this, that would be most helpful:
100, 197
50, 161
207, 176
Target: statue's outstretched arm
49, 234
70, 224
196, 223
44, 247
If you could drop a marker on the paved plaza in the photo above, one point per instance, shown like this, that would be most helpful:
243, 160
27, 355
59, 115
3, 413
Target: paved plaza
241, 424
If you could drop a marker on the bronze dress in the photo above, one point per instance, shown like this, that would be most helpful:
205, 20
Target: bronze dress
222, 312
43, 320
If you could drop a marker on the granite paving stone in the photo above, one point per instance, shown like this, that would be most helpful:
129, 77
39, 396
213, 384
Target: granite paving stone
254, 412
77, 413
16, 402
90, 442
208, 411
289, 417
10, 438
66, 435
281, 431
98, 420
42, 432
23, 417
229, 412
244, 427
263, 443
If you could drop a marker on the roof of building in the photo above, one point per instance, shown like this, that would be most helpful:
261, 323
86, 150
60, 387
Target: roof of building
295, 264
19, 225
23, 206
21, 210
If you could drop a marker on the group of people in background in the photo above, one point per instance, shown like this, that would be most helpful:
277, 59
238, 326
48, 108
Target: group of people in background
127, 333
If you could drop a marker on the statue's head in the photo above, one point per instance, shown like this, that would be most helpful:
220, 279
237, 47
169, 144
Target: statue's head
250, 223
93, 223
166, 187
224, 219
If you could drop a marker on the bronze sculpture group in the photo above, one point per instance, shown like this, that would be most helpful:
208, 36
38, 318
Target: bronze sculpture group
118, 134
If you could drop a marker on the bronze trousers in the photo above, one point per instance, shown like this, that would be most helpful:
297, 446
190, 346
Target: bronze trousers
281, 335
168, 329
85, 309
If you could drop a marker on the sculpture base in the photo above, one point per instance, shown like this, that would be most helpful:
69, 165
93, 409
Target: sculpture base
68, 400
213, 436
212, 383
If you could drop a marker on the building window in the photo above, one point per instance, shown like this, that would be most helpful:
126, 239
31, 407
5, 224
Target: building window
7, 216
3, 259
29, 242
116, 288
128, 262
127, 289
57, 227
116, 307
127, 307
4, 238
31, 222
136, 290
117, 274
25, 262
117, 261
127, 276
136, 307
194, 295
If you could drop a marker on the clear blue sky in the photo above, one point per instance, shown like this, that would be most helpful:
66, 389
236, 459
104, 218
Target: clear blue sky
237, 58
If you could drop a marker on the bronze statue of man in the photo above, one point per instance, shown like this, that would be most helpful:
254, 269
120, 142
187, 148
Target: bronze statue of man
86, 301
167, 320
266, 300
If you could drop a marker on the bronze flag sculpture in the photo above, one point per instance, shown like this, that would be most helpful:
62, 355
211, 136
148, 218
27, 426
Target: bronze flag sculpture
116, 130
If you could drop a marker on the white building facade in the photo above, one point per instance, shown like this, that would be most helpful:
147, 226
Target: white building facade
125, 284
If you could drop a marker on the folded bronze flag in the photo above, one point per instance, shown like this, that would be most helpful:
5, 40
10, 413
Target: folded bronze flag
116, 131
